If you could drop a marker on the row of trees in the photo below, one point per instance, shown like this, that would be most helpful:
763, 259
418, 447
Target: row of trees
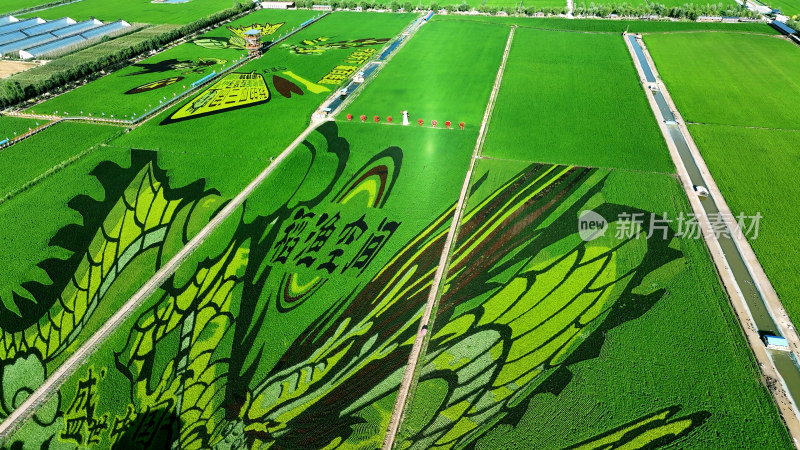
687, 11
16, 90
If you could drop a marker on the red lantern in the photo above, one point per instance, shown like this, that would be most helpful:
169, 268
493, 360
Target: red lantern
376, 119
447, 124
420, 122
461, 125
363, 118
389, 119
433, 122
349, 117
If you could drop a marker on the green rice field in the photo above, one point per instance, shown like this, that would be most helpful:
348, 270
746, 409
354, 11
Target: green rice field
510, 4
620, 288
285, 115
543, 4
232, 312
558, 80
34, 192
444, 61
30, 158
531, 342
170, 194
10, 6
89, 228
754, 168
562, 321
11, 125
142, 11
139, 88
711, 75
613, 26
756, 171
790, 8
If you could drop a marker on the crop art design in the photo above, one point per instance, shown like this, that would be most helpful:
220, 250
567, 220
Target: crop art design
243, 90
322, 44
122, 234
154, 85
201, 65
236, 40
301, 314
523, 301
234, 91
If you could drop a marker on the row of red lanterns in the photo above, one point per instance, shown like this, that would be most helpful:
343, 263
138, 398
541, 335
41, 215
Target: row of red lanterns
389, 119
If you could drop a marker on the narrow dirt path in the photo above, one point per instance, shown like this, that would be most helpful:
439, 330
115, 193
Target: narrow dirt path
60, 375
417, 351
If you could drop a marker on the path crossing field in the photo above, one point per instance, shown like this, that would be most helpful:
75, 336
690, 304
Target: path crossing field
753, 166
300, 309
308, 61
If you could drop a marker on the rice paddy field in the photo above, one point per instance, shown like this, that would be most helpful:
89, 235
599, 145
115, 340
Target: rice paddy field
750, 151
139, 88
543, 340
11, 125
710, 71
34, 156
301, 65
466, 53
292, 324
32, 208
790, 8
142, 11
232, 310
754, 167
613, 26
543, 4
531, 116
82, 231
10, 6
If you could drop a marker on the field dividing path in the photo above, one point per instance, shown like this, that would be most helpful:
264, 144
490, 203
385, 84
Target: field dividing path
444, 261
54, 381
30, 133
652, 84
195, 88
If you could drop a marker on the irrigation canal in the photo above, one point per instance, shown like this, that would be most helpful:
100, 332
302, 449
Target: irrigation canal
784, 361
